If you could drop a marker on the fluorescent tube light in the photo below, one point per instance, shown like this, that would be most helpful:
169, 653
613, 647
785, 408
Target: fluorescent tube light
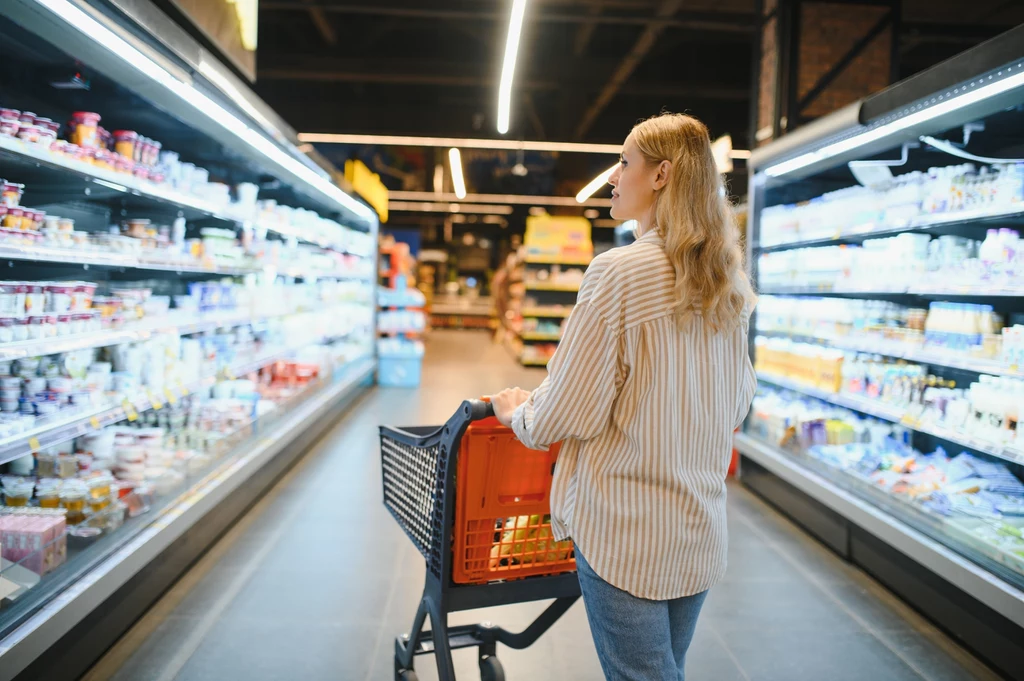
969, 96
463, 142
595, 184
458, 181
508, 68
201, 103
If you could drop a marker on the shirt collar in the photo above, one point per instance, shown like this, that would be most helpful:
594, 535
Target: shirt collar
651, 237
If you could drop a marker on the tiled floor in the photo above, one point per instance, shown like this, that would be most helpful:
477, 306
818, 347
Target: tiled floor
315, 582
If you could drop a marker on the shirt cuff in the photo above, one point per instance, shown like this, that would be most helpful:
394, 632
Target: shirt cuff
522, 420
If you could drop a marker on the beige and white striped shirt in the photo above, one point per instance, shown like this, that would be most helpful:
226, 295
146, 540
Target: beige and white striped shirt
646, 414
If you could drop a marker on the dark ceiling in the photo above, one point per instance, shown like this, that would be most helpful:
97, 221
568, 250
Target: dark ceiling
587, 71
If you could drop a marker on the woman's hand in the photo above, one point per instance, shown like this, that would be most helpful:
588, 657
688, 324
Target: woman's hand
505, 404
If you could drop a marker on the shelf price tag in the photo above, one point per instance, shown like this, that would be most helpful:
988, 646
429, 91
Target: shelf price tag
33, 444
129, 411
95, 423
171, 399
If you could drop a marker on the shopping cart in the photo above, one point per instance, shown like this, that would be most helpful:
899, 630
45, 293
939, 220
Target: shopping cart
475, 503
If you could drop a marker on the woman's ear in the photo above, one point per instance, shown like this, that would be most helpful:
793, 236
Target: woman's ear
661, 177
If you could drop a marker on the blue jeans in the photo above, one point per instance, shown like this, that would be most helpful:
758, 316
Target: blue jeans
637, 639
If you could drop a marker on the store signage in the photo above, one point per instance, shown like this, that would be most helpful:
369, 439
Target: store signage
554, 236
367, 184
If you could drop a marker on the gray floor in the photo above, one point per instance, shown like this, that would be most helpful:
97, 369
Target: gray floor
316, 581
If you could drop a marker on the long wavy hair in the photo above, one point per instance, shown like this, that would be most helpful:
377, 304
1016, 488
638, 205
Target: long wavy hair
693, 216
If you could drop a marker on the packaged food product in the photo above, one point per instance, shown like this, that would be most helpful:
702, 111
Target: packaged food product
35, 298
72, 497
64, 325
17, 491
9, 126
84, 128
59, 297
47, 134
48, 492
124, 143
10, 113
28, 133
12, 194
12, 219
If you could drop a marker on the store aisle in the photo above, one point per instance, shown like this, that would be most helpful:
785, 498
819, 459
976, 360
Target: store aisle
316, 581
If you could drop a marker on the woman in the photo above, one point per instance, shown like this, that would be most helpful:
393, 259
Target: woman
649, 382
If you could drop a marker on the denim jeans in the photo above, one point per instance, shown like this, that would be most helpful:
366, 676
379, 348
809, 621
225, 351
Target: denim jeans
637, 639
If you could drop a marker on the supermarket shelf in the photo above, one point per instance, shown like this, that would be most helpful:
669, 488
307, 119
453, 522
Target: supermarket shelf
901, 416
532, 312
904, 291
101, 259
462, 311
68, 427
551, 286
1012, 214
910, 353
949, 565
556, 260
177, 323
540, 336
56, 170
534, 362
38, 158
45, 627
400, 332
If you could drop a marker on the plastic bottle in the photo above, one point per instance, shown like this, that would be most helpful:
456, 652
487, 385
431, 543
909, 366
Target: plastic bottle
990, 251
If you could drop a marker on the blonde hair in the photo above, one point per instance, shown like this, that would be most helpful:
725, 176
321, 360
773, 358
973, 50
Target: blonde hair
693, 216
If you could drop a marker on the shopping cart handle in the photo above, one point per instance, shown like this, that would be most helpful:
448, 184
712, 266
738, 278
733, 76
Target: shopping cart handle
479, 409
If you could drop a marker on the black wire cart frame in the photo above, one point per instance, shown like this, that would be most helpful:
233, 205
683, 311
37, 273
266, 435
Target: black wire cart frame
418, 469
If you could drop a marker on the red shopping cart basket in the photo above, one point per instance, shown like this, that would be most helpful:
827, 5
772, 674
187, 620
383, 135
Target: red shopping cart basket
475, 502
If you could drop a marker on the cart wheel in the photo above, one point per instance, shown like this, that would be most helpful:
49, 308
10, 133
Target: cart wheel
491, 669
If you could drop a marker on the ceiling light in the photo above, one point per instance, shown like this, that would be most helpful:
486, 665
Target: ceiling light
201, 103
595, 184
464, 142
971, 96
508, 68
458, 181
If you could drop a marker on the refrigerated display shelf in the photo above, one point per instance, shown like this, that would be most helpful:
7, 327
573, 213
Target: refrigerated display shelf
540, 336
976, 581
61, 168
534, 362
913, 353
181, 324
67, 427
106, 259
557, 260
71, 175
532, 312
830, 290
71, 604
1008, 215
552, 286
899, 415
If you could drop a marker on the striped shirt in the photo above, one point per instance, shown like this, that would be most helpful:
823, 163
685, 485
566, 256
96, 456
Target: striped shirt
646, 413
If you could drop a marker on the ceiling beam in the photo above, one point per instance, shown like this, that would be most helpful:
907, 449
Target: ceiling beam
698, 92
322, 23
643, 45
586, 31
724, 22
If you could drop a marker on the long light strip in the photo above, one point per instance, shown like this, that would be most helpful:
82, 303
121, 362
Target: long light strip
508, 67
924, 115
458, 181
200, 102
463, 142
445, 207
595, 184
514, 199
